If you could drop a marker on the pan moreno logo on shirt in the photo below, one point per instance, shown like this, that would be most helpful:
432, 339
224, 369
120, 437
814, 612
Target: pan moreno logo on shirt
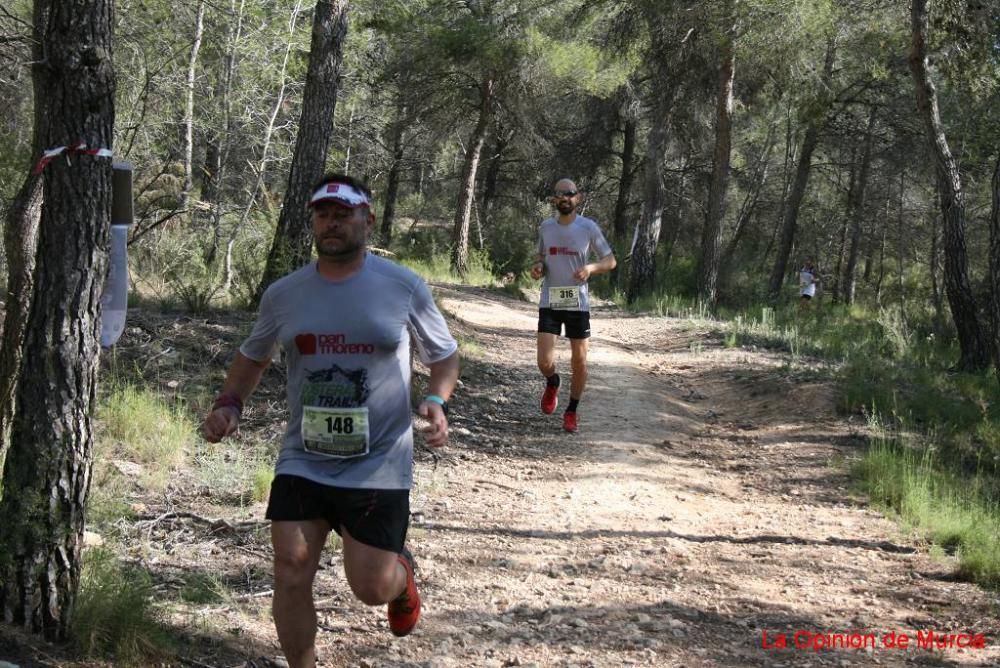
562, 250
336, 388
330, 344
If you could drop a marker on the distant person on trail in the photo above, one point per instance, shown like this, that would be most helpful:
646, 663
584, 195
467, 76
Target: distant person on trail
345, 323
565, 244
807, 284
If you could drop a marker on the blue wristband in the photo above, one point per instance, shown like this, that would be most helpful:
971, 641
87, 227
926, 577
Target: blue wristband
439, 401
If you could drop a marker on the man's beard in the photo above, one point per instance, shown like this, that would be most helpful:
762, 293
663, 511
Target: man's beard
565, 208
347, 249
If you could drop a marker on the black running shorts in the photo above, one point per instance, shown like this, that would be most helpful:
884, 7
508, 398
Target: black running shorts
376, 517
550, 321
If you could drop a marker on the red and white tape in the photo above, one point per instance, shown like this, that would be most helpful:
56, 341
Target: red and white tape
77, 149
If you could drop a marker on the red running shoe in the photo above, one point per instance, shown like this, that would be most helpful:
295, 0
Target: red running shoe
404, 610
550, 399
569, 421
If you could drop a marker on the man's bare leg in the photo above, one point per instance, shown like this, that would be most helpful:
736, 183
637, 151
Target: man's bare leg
578, 362
546, 353
375, 575
297, 550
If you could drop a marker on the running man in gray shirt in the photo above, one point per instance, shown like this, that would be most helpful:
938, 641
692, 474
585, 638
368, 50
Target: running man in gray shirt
565, 244
345, 324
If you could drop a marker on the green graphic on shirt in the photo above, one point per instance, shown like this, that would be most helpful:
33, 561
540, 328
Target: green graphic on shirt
335, 388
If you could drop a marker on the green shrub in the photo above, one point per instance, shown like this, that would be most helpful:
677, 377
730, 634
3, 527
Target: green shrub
137, 425
242, 473
263, 476
114, 615
437, 268
957, 512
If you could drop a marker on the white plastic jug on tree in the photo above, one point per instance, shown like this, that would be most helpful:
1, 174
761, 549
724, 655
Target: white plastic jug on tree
114, 301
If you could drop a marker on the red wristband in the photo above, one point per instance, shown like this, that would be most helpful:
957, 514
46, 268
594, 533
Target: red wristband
228, 400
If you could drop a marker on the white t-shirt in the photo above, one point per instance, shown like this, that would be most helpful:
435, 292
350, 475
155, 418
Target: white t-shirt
347, 348
807, 282
565, 249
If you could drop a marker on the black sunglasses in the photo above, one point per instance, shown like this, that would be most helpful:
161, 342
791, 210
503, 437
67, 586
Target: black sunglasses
565, 193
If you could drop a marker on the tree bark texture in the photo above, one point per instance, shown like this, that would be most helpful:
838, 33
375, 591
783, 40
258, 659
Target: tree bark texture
47, 470
392, 182
901, 243
199, 28
790, 217
789, 223
619, 227
292, 245
975, 352
995, 265
20, 240
258, 185
746, 211
467, 189
491, 181
837, 282
857, 212
225, 139
711, 238
642, 273
20, 245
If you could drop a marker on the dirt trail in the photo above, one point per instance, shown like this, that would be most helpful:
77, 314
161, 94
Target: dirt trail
698, 506
703, 502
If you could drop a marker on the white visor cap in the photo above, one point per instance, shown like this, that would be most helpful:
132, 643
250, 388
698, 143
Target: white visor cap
341, 193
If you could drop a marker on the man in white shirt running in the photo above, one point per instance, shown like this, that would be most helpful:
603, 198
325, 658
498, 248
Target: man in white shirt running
345, 323
807, 284
565, 244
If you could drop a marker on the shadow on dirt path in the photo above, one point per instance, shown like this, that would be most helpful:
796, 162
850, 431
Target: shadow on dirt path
703, 503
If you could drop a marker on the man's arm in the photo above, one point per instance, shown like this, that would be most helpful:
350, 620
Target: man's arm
602, 266
242, 378
444, 375
538, 267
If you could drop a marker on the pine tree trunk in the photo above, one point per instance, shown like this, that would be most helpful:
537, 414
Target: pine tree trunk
790, 218
210, 171
749, 202
48, 465
292, 245
264, 151
226, 139
20, 240
20, 246
837, 284
995, 265
838, 272
711, 239
491, 182
785, 170
975, 351
901, 243
935, 271
189, 106
881, 264
642, 274
619, 227
857, 213
392, 183
467, 189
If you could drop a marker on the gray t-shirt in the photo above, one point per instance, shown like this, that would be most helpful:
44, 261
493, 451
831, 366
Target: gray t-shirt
347, 346
565, 249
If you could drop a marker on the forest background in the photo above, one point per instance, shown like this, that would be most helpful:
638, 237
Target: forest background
719, 145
